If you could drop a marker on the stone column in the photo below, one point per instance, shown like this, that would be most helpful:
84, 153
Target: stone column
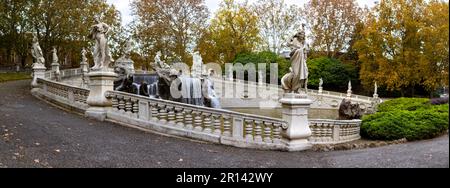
295, 113
84, 71
38, 72
100, 82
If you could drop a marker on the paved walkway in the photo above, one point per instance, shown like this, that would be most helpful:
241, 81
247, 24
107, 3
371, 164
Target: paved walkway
35, 134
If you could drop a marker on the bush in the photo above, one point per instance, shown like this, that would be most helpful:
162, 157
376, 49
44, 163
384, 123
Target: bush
335, 74
413, 119
409, 104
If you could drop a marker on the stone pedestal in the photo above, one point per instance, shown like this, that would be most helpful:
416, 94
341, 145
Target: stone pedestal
55, 69
100, 82
349, 94
38, 72
295, 113
84, 70
320, 90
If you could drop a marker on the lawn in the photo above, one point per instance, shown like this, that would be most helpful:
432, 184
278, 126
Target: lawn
14, 76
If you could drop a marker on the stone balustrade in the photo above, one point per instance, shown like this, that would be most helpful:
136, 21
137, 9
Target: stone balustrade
334, 131
200, 123
64, 74
250, 92
68, 96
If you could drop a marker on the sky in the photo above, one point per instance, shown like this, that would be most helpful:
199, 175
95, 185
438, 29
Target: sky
124, 6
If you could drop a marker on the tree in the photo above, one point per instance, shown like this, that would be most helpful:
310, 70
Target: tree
67, 25
396, 48
13, 29
332, 24
267, 58
335, 74
169, 26
232, 31
277, 22
435, 63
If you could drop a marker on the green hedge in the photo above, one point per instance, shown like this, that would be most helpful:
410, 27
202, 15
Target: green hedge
413, 119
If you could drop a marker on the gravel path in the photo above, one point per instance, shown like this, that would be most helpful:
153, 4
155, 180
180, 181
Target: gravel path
35, 134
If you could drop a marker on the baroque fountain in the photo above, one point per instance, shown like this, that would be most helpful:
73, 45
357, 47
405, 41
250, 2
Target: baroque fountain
167, 83
176, 101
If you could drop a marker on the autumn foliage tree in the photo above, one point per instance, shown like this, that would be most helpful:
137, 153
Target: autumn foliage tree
232, 31
170, 26
404, 45
332, 24
58, 23
277, 21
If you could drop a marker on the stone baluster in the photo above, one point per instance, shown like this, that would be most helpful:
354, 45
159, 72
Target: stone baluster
258, 131
121, 104
249, 130
135, 107
267, 132
207, 122
171, 117
115, 102
189, 119
277, 133
226, 125
128, 106
217, 124
154, 111
198, 121
179, 117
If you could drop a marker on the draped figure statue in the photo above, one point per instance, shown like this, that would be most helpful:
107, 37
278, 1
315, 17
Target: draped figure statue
102, 55
36, 52
298, 76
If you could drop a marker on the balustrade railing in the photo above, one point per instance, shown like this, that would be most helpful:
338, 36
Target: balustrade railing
70, 94
223, 123
334, 131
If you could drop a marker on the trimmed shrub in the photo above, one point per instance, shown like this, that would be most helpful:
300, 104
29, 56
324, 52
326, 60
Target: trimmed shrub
413, 119
409, 104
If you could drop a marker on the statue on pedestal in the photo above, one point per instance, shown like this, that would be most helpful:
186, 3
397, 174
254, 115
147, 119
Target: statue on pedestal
37, 54
102, 55
298, 76
197, 65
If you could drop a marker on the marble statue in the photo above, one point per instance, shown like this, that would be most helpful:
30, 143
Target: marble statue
83, 56
210, 98
102, 55
128, 48
320, 82
349, 85
55, 56
376, 89
197, 65
36, 52
298, 76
